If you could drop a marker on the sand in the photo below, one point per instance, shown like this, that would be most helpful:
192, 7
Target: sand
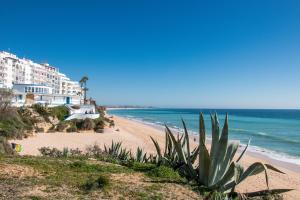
133, 134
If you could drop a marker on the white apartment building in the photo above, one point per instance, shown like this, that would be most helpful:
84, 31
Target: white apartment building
16, 71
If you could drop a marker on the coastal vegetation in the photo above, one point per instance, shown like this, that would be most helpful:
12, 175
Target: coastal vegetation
218, 170
174, 167
202, 172
18, 123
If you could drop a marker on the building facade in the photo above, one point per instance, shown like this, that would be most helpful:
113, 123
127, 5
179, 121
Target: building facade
27, 77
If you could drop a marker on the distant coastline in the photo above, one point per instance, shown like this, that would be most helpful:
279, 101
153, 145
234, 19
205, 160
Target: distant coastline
127, 107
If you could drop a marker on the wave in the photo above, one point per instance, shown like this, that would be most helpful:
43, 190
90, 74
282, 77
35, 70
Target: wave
274, 155
266, 135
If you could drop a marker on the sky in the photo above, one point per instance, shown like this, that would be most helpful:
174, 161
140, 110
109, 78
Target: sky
197, 54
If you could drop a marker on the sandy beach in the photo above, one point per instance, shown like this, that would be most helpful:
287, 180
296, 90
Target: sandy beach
134, 134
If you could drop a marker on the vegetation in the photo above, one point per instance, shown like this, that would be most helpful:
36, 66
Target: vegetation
14, 123
164, 172
82, 178
59, 112
214, 172
217, 170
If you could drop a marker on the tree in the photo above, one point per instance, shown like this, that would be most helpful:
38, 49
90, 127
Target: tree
83, 82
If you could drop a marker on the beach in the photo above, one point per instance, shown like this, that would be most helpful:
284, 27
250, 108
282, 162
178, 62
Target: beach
134, 134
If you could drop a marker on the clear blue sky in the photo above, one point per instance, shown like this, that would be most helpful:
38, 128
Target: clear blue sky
219, 54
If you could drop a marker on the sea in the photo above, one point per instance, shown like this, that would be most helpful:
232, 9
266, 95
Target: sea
273, 133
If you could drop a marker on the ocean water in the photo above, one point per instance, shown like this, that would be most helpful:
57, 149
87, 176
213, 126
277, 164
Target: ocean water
275, 133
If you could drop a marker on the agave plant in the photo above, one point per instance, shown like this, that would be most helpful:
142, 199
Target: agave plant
114, 149
140, 156
172, 147
124, 154
217, 169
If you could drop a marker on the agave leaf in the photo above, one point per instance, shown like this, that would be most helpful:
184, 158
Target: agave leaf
254, 169
242, 154
214, 145
222, 150
273, 168
166, 144
178, 147
157, 147
231, 150
170, 146
215, 135
204, 159
187, 142
266, 192
228, 176
238, 172
228, 187
202, 128
195, 154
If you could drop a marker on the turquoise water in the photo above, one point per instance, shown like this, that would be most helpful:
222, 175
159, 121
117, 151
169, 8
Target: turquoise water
273, 132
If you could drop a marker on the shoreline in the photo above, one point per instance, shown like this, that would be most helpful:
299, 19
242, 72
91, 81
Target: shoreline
263, 154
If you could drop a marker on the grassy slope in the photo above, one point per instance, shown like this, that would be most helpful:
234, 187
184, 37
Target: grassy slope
73, 178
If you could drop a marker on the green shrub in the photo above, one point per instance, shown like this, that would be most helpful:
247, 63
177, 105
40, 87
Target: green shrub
165, 173
94, 151
60, 112
99, 183
11, 125
51, 152
75, 152
5, 147
99, 125
141, 167
88, 124
60, 127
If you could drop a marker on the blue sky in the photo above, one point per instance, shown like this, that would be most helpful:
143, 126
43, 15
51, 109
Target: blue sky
216, 54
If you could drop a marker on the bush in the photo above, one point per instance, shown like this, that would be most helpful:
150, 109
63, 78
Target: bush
92, 184
42, 111
141, 167
94, 151
111, 124
51, 152
72, 129
5, 147
75, 152
165, 173
99, 125
60, 112
60, 127
11, 125
88, 124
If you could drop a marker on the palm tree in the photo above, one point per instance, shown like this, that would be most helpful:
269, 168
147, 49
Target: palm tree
83, 86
